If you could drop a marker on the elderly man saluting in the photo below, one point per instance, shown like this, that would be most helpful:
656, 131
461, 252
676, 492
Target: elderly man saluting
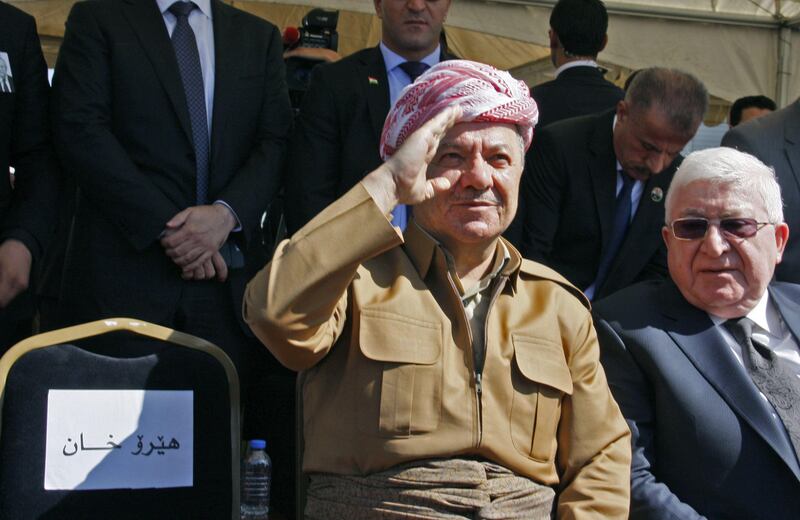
446, 377
706, 367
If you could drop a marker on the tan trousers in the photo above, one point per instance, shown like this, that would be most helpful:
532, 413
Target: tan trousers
456, 488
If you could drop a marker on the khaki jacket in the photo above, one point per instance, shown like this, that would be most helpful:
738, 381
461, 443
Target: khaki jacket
380, 330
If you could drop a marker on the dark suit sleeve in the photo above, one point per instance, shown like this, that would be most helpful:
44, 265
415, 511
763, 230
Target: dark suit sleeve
84, 135
258, 181
735, 138
650, 499
31, 215
313, 166
543, 186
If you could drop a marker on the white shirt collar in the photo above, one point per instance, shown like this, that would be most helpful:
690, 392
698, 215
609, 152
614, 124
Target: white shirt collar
576, 63
764, 315
203, 5
391, 59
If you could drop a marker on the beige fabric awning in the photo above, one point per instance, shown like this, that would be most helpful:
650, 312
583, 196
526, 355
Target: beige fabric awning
735, 46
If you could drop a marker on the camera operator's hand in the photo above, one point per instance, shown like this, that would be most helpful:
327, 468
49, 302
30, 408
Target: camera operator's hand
312, 53
402, 179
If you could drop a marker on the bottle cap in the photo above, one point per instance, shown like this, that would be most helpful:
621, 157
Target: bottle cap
258, 444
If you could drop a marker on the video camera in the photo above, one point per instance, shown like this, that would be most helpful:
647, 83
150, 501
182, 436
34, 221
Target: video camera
317, 30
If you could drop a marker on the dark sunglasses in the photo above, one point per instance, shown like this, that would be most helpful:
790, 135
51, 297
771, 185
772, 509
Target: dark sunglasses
693, 228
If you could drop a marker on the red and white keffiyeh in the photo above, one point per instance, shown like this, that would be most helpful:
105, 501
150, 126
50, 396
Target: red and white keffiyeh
484, 93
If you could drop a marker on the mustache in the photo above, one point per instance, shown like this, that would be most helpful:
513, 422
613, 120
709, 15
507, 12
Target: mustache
473, 195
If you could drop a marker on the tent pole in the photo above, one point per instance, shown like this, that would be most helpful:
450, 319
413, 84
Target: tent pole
784, 66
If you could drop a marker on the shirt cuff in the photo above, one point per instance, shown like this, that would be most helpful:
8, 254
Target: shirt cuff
238, 226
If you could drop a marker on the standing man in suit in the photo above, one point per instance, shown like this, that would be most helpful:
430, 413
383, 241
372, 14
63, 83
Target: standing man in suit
336, 137
577, 35
172, 118
28, 197
706, 367
595, 185
775, 139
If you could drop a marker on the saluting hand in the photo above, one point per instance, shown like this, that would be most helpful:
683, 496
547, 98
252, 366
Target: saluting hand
402, 178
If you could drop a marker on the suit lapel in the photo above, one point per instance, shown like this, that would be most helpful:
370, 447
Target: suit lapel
789, 309
148, 24
374, 70
602, 172
225, 59
791, 135
643, 236
706, 348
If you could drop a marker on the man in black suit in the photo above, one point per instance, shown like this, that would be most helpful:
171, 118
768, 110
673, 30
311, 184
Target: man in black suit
336, 137
705, 366
28, 197
577, 35
595, 185
775, 139
172, 118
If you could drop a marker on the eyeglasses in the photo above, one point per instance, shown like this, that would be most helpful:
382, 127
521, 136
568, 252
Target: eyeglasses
693, 228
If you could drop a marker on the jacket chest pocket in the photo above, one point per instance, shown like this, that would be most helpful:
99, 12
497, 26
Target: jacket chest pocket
540, 379
400, 381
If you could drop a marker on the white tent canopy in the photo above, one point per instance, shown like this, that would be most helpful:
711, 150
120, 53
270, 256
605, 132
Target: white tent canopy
737, 47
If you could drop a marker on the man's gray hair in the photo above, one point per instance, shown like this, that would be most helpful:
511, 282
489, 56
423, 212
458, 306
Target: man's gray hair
741, 171
677, 94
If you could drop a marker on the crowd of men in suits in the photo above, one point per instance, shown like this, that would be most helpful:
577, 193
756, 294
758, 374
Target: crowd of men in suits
139, 184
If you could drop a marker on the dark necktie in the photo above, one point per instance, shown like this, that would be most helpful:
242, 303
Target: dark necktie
622, 217
771, 376
188, 57
414, 69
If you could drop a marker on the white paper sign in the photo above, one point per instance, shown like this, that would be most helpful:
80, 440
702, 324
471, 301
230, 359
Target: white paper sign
119, 439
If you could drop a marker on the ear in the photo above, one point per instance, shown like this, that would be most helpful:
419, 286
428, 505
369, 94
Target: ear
603, 45
665, 235
781, 236
554, 42
377, 4
622, 111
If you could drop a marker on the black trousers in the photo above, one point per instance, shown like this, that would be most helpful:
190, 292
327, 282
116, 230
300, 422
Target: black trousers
16, 321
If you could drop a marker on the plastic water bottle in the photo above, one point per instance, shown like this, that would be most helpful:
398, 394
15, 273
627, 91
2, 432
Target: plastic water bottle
256, 482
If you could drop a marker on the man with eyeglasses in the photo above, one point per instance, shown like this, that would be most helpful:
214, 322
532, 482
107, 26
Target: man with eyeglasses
706, 366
